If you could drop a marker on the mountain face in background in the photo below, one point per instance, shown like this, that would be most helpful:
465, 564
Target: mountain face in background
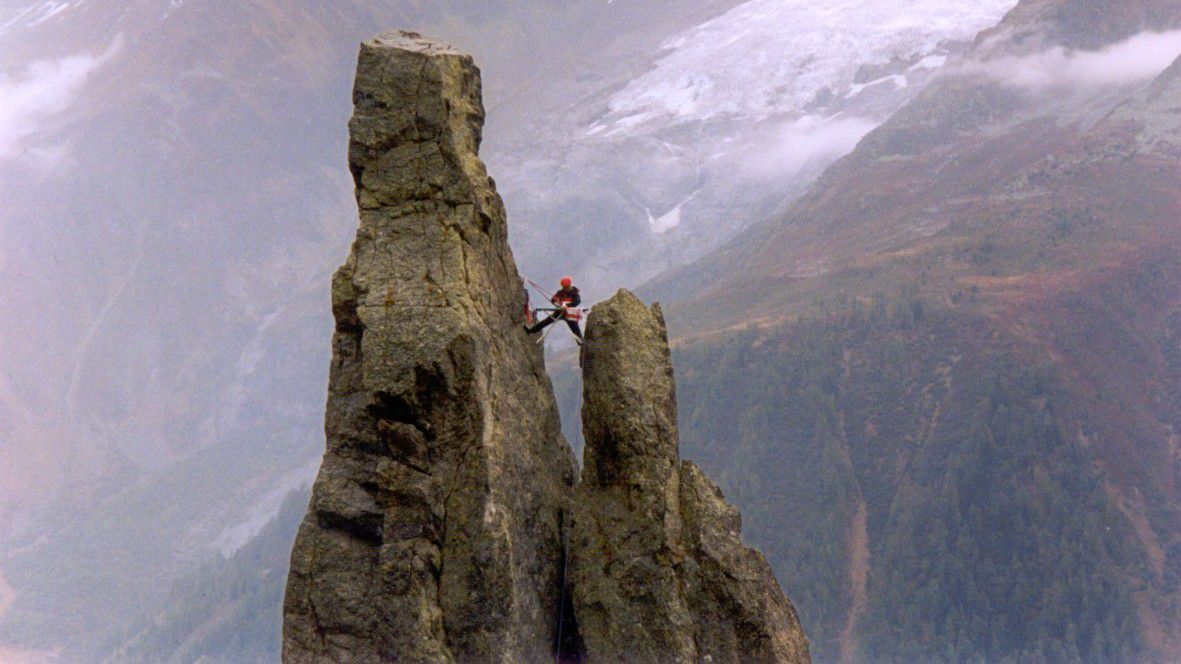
945, 387
624, 171
174, 203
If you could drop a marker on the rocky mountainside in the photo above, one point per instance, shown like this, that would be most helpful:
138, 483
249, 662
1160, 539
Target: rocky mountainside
173, 205
966, 334
438, 526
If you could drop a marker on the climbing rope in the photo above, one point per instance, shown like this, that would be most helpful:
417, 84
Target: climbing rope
545, 334
562, 603
545, 296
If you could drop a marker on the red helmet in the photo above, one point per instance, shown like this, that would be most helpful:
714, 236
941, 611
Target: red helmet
566, 282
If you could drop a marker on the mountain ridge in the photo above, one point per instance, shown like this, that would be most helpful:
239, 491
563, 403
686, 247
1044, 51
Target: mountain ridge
1030, 224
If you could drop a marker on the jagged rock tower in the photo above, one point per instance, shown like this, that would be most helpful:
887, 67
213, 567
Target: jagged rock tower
657, 565
438, 524
434, 531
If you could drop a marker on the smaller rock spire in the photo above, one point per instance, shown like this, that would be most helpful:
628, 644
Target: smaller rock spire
658, 569
630, 404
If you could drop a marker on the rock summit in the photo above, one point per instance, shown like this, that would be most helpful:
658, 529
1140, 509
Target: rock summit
445, 524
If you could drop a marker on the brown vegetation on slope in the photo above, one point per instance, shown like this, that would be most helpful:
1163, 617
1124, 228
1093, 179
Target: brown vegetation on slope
1041, 227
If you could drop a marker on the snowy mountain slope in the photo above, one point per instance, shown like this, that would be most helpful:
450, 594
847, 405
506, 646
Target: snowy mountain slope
730, 121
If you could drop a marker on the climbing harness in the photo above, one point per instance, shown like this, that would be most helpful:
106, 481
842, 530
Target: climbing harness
569, 313
533, 316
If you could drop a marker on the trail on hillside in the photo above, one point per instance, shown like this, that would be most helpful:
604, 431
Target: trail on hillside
858, 580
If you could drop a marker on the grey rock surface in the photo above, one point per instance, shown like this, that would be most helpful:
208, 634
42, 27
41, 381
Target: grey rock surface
435, 526
657, 566
439, 526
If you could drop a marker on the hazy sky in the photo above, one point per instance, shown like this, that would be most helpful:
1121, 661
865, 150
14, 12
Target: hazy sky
165, 287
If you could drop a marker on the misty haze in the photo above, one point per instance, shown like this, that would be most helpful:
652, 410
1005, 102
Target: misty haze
918, 266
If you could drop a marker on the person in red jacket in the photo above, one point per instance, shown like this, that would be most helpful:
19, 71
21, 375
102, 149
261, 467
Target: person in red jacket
565, 302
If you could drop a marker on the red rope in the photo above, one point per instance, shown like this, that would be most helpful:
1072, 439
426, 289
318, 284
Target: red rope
537, 286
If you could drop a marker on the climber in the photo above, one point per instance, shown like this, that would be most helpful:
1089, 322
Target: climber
566, 303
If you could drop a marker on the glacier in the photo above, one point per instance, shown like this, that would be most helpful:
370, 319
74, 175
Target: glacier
770, 57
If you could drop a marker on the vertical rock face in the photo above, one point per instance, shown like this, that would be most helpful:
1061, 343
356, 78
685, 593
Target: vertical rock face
435, 530
436, 527
657, 567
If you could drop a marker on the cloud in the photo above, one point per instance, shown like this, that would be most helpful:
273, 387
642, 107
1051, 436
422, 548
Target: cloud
45, 89
808, 143
1140, 58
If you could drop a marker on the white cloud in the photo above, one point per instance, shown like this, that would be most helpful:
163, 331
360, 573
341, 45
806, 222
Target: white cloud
1139, 58
791, 148
45, 89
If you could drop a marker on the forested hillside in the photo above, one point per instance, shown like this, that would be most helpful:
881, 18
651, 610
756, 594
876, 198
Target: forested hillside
225, 610
909, 478
944, 387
